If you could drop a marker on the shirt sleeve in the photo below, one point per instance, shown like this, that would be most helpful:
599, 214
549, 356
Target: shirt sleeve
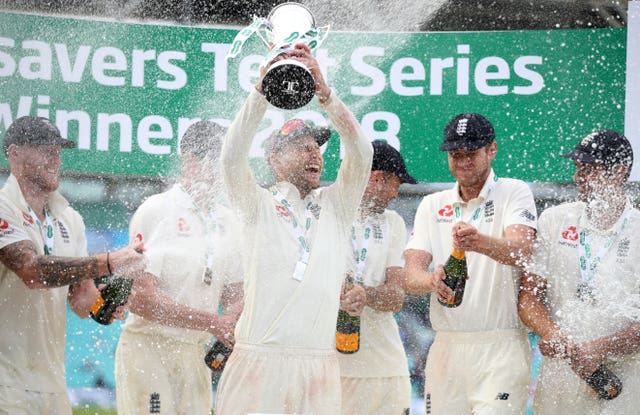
521, 207
11, 230
538, 264
240, 182
355, 168
419, 238
398, 234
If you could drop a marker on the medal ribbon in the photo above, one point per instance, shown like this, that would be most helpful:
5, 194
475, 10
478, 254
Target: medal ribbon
475, 216
588, 262
300, 232
360, 252
48, 229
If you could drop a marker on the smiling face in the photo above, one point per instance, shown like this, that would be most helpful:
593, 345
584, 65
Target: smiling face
472, 167
37, 164
300, 163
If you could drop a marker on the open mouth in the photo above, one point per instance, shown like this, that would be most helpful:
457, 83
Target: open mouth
312, 168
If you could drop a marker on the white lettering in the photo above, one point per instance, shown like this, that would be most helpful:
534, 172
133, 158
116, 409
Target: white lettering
154, 127
108, 59
378, 78
397, 75
483, 75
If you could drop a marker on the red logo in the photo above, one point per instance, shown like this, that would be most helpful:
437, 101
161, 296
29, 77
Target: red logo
3, 224
282, 211
571, 233
27, 217
446, 211
183, 226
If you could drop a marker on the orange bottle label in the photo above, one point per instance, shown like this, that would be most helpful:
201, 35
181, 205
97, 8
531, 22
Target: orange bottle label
347, 342
96, 306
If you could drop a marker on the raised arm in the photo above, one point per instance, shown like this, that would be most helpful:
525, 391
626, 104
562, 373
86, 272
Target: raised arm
236, 171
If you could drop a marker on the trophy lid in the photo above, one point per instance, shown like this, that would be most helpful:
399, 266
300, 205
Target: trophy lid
289, 17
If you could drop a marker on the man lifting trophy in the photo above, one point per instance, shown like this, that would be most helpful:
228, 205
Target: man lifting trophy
288, 84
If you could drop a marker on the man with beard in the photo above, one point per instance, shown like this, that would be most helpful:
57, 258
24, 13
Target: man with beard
43, 250
192, 242
581, 290
375, 379
284, 359
479, 360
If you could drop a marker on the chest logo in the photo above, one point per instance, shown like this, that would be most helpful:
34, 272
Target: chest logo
446, 211
183, 226
571, 234
27, 217
3, 224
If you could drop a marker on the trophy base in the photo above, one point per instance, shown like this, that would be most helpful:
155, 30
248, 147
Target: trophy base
288, 85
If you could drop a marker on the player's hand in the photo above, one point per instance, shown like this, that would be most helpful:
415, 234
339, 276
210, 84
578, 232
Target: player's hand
437, 286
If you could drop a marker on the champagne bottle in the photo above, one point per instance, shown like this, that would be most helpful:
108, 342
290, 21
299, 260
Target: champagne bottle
455, 270
217, 356
113, 295
605, 382
347, 327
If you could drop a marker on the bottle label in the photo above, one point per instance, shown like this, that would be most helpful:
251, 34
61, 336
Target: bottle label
347, 343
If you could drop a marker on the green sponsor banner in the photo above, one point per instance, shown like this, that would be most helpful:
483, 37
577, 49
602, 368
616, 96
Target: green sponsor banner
125, 92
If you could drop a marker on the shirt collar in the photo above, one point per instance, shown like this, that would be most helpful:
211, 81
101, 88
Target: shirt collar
56, 203
617, 227
484, 192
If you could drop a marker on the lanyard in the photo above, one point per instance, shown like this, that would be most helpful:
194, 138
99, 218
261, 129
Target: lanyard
48, 234
588, 262
475, 216
300, 231
360, 251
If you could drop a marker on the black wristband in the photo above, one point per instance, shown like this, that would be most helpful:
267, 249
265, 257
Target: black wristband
109, 265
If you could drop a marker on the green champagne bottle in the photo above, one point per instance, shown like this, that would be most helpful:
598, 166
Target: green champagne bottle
113, 295
605, 382
347, 328
455, 270
217, 356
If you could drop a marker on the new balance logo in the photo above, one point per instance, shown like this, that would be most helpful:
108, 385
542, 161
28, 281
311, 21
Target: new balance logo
502, 397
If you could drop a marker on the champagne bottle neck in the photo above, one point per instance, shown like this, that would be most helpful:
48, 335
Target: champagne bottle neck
457, 253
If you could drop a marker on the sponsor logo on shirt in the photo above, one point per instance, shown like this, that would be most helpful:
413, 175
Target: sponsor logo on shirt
445, 214
27, 218
571, 234
183, 227
283, 213
5, 228
377, 231
569, 237
528, 215
502, 396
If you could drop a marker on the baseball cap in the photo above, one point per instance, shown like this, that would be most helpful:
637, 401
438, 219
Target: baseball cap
386, 158
469, 131
202, 138
30, 130
292, 129
603, 146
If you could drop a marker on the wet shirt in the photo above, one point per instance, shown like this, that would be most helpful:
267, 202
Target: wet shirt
33, 321
381, 352
180, 240
278, 309
612, 302
491, 293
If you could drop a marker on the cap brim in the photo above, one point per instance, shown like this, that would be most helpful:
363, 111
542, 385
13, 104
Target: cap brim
464, 144
407, 178
321, 135
578, 155
64, 143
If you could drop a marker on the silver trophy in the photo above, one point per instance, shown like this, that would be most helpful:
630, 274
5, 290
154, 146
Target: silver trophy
288, 84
